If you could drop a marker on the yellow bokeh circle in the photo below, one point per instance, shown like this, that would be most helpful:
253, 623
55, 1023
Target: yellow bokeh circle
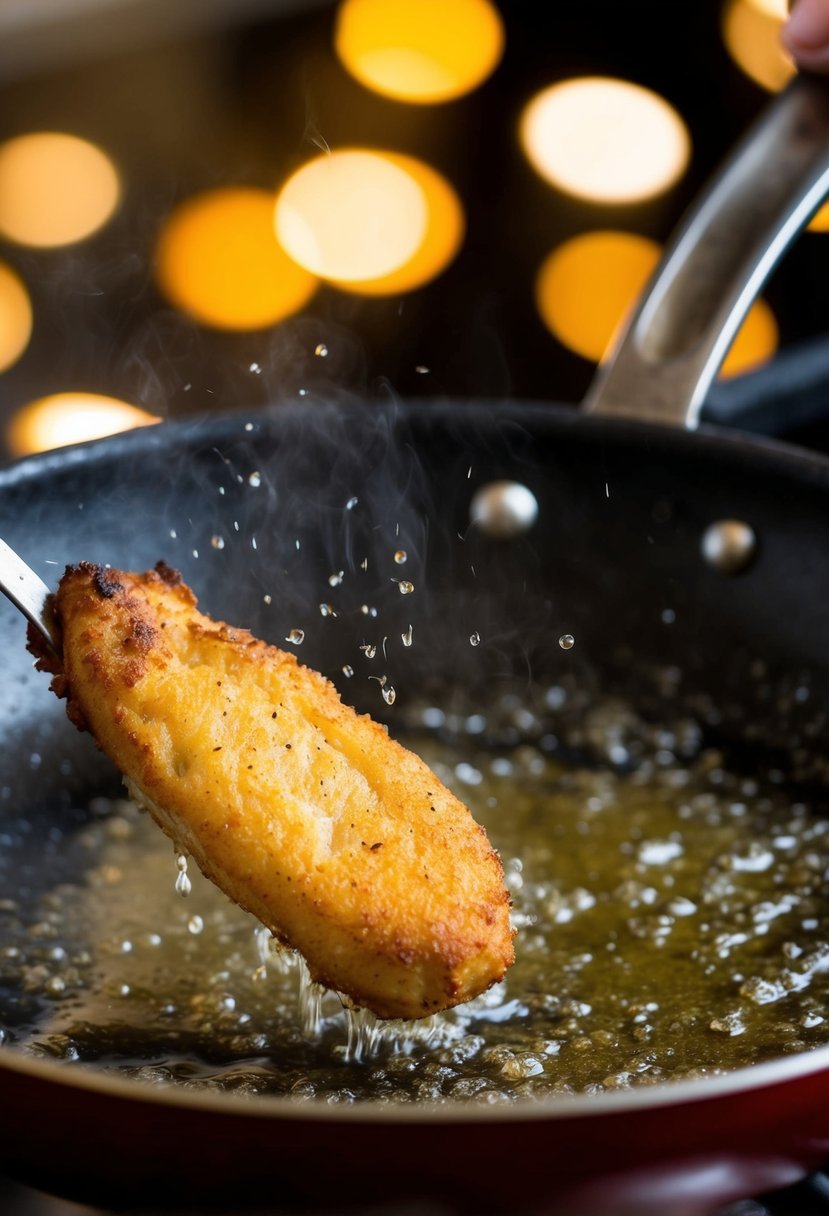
218, 260
15, 317
441, 240
586, 288
820, 220
751, 33
55, 189
604, 139
757, 339
420, 51
65, 418
351, 215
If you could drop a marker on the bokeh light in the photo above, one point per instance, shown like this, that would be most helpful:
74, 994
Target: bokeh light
419, 51
586, 287
606, 140
15, 317
820, 220
751, 33
442, 238
64, 418
778, 9
55, 189
351, 215
218, 259
757, 339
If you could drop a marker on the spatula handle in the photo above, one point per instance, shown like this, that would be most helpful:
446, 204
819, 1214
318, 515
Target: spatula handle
28, 592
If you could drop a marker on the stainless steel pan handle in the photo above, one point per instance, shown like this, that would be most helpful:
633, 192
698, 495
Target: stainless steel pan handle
716, 264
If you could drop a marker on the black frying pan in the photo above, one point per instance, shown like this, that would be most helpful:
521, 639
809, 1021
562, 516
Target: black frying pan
623, 506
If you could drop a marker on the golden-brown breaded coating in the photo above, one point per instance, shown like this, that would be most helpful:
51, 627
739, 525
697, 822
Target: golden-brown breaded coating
343, 843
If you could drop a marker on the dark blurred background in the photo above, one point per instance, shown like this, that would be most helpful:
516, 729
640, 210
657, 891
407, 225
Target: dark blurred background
190, 97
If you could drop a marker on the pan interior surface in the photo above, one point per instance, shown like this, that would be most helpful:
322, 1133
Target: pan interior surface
638, 730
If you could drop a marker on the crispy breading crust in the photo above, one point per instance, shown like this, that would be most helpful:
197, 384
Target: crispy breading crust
308, 815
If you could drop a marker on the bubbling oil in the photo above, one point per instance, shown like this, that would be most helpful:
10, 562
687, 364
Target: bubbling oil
668, 898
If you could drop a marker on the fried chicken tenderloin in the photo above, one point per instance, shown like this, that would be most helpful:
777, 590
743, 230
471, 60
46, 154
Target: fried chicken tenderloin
307, 814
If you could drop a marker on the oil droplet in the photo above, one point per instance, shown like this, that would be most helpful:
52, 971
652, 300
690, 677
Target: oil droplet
183, 883
367, 610
567, 641
195, 925
321, 350
389, 695
474, 639
327, 610
255, 478
406, 638
334, 580
401, 556
257, 371
405, 587
217, 542
351, 504
348, 670
296, 637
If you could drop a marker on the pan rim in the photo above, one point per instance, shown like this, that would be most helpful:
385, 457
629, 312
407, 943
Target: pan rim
234, 424
739, 1083
212, 428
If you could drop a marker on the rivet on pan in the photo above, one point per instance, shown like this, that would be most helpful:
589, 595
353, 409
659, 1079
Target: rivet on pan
729, 545
504, 509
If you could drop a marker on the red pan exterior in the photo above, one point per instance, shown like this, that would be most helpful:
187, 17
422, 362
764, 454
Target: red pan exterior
124, 1147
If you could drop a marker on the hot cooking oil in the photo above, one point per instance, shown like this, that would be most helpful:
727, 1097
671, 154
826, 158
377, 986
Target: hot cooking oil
669, 901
